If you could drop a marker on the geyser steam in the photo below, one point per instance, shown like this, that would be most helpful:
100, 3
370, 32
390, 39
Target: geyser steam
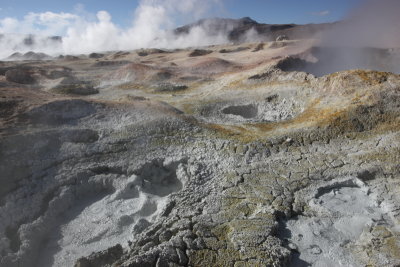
372, 24
369, 38
151, 27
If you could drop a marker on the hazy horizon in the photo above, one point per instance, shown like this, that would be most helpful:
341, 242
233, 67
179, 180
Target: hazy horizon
84, 31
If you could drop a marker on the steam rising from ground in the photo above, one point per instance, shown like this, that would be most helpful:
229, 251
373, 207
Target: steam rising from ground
373, 24
369, 38
152, 22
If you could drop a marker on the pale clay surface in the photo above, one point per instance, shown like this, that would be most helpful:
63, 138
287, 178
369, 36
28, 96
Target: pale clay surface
247, 166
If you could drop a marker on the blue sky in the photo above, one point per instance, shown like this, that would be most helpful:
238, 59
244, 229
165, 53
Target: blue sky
291, 11
268, 11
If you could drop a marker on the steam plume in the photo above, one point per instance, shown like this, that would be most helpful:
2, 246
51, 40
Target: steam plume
150, 28
375, 23
362, 40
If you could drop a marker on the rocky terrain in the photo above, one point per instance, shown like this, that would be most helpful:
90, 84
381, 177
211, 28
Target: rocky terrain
257, 154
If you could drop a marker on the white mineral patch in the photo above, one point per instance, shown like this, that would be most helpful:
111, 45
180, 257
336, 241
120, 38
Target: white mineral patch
341, 216
96, 226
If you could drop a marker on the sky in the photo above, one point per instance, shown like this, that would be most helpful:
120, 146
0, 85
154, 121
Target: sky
122, 11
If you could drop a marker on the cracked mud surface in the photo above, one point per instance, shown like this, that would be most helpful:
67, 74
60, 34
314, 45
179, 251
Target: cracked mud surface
336, 216
247, 165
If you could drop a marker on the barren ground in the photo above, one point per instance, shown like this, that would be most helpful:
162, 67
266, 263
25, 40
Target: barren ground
221, 156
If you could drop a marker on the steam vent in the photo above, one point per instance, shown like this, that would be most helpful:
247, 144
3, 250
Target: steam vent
284, 151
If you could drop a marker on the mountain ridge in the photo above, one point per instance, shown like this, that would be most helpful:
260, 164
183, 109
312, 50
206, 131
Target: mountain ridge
236, 29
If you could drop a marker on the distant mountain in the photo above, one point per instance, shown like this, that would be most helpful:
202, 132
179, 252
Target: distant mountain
29, 56
214, 26
18, 45
30, 39
238, 29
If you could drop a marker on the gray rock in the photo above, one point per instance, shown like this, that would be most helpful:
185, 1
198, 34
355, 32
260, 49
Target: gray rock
281, 38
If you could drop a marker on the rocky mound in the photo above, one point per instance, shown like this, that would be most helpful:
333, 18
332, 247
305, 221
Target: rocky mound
34, 74
29, 56
96, 55
235, 50
128, 73
199, 53
211, 65
22, 75
15, 101
146, 52
73, 86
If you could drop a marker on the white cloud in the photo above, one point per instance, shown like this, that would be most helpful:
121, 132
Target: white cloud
47, 23
323, 13
8, 25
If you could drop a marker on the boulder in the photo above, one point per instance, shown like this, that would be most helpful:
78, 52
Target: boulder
282, 38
